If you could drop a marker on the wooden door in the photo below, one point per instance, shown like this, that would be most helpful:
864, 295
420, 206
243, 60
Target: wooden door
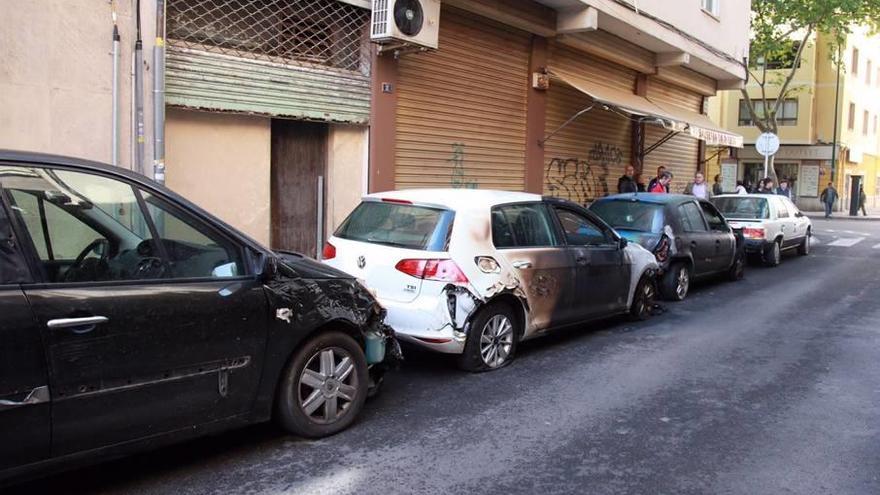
299, 157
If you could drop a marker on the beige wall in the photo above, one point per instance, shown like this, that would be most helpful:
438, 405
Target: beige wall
347, 155
222, 163
56, 77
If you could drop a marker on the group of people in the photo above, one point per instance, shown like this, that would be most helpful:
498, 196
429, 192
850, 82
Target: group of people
629, 183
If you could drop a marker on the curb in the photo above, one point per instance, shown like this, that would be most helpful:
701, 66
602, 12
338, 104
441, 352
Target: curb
821, 216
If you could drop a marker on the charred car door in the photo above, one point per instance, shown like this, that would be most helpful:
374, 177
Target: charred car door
154, 326
725, 240
24, 390
696, 235
601, 276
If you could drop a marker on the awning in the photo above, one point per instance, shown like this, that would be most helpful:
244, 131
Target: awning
701, 126
676, 119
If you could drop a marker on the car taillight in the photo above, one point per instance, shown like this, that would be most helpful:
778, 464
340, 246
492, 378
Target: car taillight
329, 252
661, 252
440, 270
753, 233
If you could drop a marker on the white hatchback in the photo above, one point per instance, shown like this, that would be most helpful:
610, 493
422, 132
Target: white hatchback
473, 272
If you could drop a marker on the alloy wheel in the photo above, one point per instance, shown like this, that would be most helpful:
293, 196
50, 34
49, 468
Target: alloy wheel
496, 341
683, 279
328, 385
646, 298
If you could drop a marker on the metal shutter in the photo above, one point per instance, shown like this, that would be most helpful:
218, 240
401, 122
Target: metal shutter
584, 159
681, 154
461, 110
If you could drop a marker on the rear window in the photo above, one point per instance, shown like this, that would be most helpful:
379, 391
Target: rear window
398, 225
744, 208
630, 215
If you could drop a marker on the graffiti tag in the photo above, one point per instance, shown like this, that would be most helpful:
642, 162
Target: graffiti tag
459, 179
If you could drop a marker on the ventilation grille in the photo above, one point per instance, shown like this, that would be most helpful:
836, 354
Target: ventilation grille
380, 18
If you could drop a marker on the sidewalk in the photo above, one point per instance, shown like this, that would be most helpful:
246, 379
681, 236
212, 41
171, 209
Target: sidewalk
873, 215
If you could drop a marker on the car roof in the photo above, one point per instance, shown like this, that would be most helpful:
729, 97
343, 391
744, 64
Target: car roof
646, 197
746, 196
457, 199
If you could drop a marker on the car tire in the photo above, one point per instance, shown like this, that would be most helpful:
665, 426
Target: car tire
773, 254
643, 299
676, 282
315, 378
804, 248
738, 269
492, 339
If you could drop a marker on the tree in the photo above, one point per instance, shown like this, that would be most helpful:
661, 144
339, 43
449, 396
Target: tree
781, 29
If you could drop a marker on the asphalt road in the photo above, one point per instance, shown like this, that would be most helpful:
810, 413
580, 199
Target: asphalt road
769, 385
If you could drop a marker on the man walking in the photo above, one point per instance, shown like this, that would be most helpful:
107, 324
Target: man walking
698, 187
626, 183
828, 197
862, 198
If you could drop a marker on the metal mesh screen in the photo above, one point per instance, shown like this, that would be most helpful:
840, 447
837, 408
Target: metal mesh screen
324, 33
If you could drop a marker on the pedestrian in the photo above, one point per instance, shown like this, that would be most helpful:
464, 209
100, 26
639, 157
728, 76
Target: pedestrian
862, 198
662, 184
626, 183
655, 180
828, 197
717, 188
741, 188
766, 186
783, 189
698, 187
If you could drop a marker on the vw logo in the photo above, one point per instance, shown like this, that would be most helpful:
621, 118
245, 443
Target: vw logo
362, 262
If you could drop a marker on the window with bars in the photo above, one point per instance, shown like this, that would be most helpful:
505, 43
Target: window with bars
787, 114
320, 33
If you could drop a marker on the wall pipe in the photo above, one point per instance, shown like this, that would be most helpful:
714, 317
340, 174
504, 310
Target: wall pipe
115, 104
139, 94
159, 95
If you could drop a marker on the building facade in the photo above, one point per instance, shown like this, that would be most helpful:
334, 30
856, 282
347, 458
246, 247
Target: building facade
807, 123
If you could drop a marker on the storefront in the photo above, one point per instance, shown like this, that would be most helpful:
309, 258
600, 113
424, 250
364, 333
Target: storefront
806, 167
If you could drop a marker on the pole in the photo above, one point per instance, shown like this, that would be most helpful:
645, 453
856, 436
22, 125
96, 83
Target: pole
836, 114
159, 95
319, 229
766, 164
115, 104
139, 94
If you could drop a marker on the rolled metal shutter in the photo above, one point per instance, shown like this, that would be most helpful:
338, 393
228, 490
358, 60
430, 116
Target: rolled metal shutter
681, 154
461, 110
585, 158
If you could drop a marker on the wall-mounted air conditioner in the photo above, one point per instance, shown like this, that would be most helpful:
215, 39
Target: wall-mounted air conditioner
406, 22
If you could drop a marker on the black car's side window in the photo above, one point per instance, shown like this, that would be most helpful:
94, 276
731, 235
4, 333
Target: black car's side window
193, 249
580, 230
691, 218
523, 225
84, 227
716, 221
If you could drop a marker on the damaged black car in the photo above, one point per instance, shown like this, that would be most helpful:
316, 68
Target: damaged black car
131, 318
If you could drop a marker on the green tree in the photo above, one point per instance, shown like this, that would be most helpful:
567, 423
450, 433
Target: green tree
781, 29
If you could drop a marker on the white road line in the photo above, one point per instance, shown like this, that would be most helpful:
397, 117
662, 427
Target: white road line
815, 240
876, 246
830, 230
847, 241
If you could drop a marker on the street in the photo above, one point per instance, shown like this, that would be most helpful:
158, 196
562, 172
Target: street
770, 385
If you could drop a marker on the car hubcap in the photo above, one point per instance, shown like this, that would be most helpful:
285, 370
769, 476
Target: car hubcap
647, 298
328, 385
496, 341
683, 282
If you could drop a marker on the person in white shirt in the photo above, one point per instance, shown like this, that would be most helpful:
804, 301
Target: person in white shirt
740, 188
698, 187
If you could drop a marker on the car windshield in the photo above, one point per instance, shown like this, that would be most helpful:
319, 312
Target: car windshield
630, 215
743, 208
400, 225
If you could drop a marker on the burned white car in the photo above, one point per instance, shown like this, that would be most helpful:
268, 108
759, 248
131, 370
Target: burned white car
474, 272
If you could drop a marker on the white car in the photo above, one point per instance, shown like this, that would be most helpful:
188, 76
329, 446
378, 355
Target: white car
770, 224
473, 272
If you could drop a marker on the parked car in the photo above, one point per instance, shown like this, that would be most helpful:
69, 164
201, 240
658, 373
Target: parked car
688, 236
130, 318
770, 224
474, 272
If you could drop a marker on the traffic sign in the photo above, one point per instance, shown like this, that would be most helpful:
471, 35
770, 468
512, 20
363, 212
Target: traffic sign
767, 144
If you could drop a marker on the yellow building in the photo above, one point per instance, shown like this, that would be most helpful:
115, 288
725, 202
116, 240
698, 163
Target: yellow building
807, 121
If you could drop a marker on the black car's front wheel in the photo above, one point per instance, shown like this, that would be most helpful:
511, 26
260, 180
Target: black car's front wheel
324, 386
738, 268
643, 299
676, 282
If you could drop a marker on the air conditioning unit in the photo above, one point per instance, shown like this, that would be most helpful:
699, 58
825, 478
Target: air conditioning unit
406, 22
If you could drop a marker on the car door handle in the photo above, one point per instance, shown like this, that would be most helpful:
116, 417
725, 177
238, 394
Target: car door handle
581, 260
38, 395
522, 264
78, 325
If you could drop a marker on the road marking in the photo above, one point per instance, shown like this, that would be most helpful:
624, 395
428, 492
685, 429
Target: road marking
830, 230
876, 246
847, 241
815, 240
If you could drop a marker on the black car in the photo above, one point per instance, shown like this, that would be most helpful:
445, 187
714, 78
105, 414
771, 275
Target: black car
130, 318
689, 236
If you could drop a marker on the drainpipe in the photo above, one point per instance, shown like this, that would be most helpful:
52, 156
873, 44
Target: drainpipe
139, 94
159, 95
836, 113
115, 105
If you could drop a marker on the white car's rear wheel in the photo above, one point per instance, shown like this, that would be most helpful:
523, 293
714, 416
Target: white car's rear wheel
492, 339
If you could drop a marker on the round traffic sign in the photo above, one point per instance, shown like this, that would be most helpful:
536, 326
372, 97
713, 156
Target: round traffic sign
767, 144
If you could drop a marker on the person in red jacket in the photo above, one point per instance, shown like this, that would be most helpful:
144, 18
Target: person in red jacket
662, 183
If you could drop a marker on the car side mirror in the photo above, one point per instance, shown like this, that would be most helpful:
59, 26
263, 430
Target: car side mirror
268, 267
622, 243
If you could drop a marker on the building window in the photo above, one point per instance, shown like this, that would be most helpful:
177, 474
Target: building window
865, 118
712, 7
868, 72
787, 115
851, 122
855, 62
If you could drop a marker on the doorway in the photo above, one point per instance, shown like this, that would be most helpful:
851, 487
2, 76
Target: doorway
299, 162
